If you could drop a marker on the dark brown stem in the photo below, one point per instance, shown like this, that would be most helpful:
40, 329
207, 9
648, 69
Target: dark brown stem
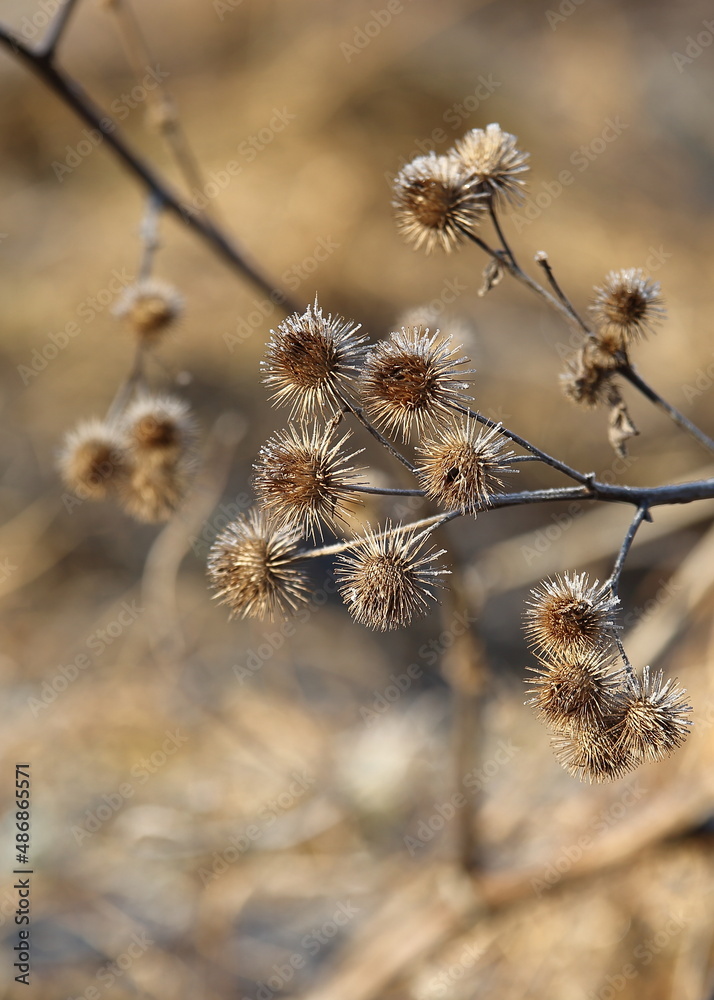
627, 371
69, 91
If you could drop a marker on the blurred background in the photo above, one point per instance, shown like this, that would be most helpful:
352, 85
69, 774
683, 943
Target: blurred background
222, 809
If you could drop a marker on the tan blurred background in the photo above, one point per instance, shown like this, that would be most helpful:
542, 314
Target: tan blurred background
219, 812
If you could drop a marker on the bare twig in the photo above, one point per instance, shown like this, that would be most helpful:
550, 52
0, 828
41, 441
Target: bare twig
614, 581
71, 93
55, 31
627, 371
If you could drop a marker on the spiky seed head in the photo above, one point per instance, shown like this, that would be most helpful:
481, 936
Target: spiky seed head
628, 304
388, 578
410, 380
462, 467
592, 755
588, 378
150, 306
155, 490
492, 157
435, 204
158, 428
569, 616
254, 568
654, 718
309, 359
576, 692
302, 478
93, 460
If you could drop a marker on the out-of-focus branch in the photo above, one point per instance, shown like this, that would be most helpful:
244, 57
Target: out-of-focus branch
41, 62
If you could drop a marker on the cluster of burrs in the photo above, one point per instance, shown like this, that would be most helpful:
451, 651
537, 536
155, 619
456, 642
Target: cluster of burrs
606, 719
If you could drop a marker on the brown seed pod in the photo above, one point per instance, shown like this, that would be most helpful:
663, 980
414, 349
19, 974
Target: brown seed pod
150, 306
93, 461
388, 577
492, 158
592, 755
577, 692
628, 304
254, 567
435, 203
654, 719
462, 467
303, 479
411, 379
310, 359
569, 616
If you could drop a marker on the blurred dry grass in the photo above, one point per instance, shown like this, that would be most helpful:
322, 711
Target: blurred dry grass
327, 901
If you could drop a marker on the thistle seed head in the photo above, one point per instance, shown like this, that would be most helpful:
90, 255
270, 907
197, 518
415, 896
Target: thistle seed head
576, 693
628, 304
302, 478
588, 378
592, 755
93, 460
155, 490
151, 307
253, 567
492, 158
388, 578
158, 428
435, 204
461, 468
410, 380
654, 718
569, 616
309, 359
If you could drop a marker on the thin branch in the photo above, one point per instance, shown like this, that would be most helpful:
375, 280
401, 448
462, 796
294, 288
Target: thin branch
55, 31
139, 57
497, 226
555, 463
541, 258
515, 271
614, 581
358, 412
628, 372
69, 91
426, 523
149, 237
381, 491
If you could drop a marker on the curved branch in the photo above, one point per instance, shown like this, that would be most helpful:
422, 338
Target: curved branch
69, 91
